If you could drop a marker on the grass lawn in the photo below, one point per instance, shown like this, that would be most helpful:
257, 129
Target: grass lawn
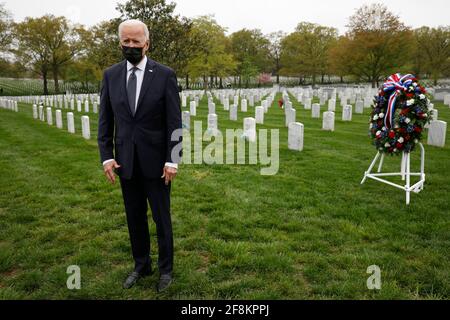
309, 232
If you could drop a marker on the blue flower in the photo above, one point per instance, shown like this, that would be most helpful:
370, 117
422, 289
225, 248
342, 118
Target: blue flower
410, 128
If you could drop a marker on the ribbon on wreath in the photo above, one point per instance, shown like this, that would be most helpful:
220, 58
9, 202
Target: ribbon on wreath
395, 85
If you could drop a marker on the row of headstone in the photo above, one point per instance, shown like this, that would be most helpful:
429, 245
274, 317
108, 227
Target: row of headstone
39, 114
9, 105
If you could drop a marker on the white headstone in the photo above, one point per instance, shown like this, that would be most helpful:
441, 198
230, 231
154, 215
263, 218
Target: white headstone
226, 104
295, 136
359, 107
86, 129
347, 113
49, 116
186, 120
437, 133
244, 105
183, 101
291, 114
86, 106
211, 108
447, 99
250, 129
308, 104
95, 107
193, 108
328, 121
59, 123
35, 112
315, 110
79, 105
41, 113
233, 112
212, 124
332, 105
259, 115
70, 122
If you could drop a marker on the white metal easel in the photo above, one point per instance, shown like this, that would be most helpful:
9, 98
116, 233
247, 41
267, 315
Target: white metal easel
405, 173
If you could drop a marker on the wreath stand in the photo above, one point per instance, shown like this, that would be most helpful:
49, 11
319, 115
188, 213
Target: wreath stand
405, 173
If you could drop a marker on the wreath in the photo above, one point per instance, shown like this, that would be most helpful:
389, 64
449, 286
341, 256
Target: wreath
399, 114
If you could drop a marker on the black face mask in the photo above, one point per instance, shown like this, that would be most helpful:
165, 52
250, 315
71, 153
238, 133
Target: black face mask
133, 55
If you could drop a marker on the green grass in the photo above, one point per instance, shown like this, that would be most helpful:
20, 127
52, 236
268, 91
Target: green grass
309, 232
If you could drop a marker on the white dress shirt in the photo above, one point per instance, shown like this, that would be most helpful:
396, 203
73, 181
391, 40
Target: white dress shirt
139, 72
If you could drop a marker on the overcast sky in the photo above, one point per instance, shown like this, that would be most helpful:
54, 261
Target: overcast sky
267, 15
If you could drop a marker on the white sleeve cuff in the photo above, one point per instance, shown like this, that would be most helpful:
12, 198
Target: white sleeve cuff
107, 161
171, 165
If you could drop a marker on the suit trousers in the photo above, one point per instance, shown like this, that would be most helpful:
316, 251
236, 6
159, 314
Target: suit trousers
137, 193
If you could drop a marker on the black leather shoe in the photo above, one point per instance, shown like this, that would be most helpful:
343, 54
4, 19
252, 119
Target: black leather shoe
165, 280
134, 277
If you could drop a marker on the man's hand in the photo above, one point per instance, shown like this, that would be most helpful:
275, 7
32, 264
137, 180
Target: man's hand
109, 170
169, 174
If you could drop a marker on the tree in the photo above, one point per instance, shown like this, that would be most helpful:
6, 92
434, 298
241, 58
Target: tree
432, 52
5, 27
339, 64
275, 47
251, 50
46, 44
305, 52
210, 59
379, 44
170, 41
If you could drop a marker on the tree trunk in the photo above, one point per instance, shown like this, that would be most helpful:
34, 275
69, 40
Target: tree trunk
240, 82
187, 82
44, 76
55, 78
278, 78
220, 83
342, 79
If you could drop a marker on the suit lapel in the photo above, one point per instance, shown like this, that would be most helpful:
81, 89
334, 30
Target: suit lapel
123, 86
149, 75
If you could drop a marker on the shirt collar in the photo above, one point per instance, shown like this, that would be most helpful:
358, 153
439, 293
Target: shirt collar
140, 66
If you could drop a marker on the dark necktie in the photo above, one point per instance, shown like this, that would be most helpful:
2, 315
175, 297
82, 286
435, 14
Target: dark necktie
131, 90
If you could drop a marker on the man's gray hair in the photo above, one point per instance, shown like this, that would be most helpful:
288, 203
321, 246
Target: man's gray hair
134, 22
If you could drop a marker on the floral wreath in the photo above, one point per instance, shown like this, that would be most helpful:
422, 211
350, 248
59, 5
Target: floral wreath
399, 114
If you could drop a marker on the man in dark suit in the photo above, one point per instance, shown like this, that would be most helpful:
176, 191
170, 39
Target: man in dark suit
139, 113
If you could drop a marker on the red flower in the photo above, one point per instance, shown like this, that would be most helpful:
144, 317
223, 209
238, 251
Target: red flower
404, 111
392, 134
418, 129
399, 146
410, 95
391, 149
407, 137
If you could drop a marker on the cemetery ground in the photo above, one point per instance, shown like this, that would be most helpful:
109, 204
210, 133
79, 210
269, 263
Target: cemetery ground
309, 232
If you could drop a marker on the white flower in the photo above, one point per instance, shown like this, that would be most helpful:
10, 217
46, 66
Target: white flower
381, 115
384, 129
375, 117
422, 96
387, 145
395, 150
378, 133
415, 84
416, 141
401, 140
396, 126
425, 115
410, 102
407, 120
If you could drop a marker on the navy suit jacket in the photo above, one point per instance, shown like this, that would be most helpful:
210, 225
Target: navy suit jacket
148, 133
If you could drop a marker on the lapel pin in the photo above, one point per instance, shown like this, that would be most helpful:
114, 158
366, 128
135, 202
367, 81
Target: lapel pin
150, 70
